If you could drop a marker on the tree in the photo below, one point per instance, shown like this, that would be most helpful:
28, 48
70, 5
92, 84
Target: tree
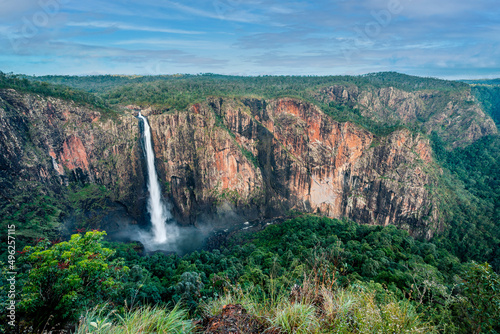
189, 289
66, 278
481, 306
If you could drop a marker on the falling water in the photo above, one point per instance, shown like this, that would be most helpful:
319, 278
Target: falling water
156, 208
166, 235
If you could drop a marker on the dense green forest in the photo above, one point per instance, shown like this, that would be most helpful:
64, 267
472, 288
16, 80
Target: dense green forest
473, 206
22, 84
418, 281
351, 278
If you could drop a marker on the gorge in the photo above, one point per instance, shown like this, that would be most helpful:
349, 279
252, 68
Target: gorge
226, 160
217, 193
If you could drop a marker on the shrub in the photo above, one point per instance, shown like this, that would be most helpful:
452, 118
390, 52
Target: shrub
66, 278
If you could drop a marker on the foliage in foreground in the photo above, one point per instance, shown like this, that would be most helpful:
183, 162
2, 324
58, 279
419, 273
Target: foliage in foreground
66, 278
378, 268
316, 307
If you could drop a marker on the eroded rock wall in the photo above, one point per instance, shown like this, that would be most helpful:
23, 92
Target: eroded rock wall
225, 161
455, 116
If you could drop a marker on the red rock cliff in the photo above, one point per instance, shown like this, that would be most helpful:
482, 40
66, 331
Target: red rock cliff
227, 160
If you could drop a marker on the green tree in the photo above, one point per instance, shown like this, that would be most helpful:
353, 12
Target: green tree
481, 306
189, 288
65, 278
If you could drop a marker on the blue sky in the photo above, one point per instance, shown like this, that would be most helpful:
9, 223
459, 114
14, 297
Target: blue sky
440, 38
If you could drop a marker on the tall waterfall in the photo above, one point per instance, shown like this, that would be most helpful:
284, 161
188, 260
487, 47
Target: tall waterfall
156, 208
165, 235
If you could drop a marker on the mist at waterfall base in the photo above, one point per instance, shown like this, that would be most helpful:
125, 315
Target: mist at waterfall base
179, 239
165, 234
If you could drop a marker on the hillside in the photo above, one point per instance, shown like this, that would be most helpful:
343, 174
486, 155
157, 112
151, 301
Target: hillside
487, 93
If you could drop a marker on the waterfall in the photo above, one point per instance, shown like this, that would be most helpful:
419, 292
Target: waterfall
156, 208
54, 164
166, 235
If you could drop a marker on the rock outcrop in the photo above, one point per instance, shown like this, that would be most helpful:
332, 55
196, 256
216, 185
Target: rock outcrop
234, 318
455, 116
48, 144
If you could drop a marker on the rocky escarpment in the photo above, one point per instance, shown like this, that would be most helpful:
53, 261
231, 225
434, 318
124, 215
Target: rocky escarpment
455, 116
224, 161
47, 145
261, 158
312, 163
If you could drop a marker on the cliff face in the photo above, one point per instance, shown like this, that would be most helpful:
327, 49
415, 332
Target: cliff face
455, 116
203, 170
46, 144
312, 163
225, 161
296, 158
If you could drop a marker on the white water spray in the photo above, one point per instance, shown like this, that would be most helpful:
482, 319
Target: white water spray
156, 207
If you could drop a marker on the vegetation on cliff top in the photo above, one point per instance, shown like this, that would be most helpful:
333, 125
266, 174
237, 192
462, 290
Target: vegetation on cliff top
21, 84
211, 84
177, 92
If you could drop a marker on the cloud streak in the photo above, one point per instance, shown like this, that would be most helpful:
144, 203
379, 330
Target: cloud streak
123, 26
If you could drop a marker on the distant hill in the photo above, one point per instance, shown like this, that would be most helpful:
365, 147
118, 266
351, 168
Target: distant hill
487, 92
102, 84
492, 82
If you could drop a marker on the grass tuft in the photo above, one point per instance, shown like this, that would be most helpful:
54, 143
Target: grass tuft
142, 320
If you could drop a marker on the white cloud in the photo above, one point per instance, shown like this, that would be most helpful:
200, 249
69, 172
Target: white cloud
190, 44
124, 26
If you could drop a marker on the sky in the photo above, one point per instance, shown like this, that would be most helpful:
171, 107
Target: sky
452, 39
